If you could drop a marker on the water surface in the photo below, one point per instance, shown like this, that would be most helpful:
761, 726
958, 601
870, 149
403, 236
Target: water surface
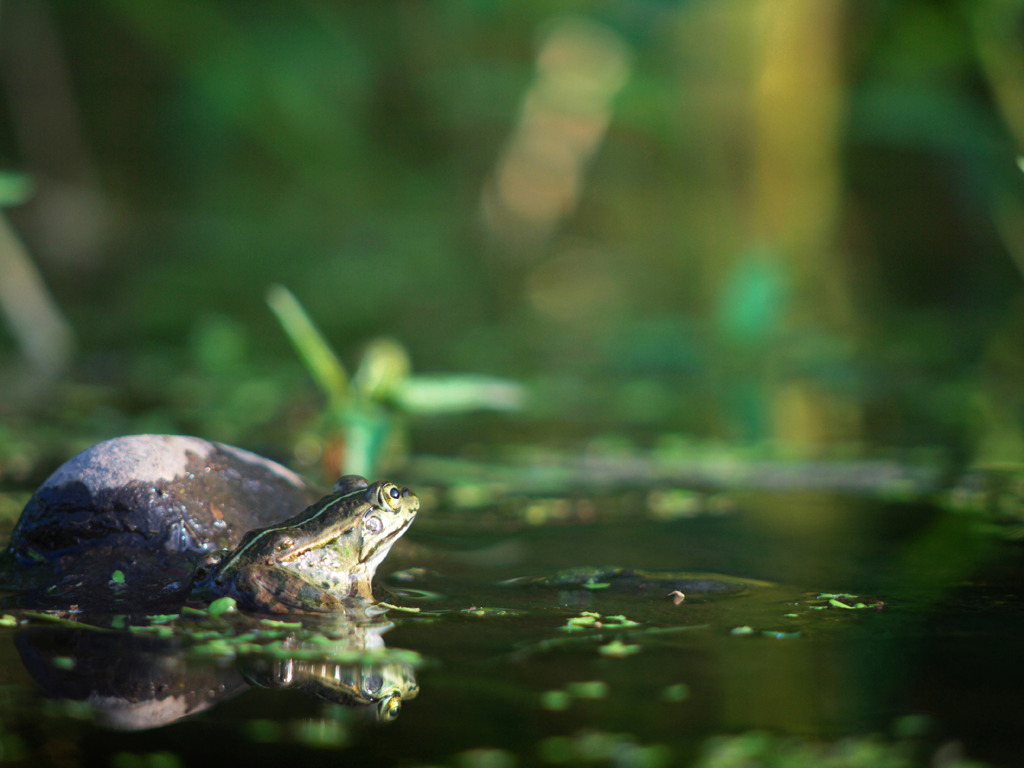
836, 617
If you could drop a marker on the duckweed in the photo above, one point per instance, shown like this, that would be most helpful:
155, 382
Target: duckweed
618, 649
150, 760
485, 757
676, 693
555, 701
591, 620
263, 731
591, 747
325, 734
222, 605
594, 689
489, 612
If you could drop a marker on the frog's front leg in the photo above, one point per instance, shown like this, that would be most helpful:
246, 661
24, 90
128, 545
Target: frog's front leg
362, 588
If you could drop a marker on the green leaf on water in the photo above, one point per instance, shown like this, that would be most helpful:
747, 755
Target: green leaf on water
591, 689
617, 649
676, 693
555, 701
223, 605
162, 618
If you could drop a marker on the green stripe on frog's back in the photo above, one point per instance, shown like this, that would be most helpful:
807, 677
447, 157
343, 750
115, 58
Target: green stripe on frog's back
308, 516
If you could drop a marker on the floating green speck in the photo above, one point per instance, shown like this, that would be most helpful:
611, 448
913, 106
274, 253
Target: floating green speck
556, 701
485, 757
617, 649
215, 647
223, 605
742, 630
556, 749
263, 731
321, 733
676, 693
63, 662
8, 621
593, 689
157, 630
650, 756
486, 612
117, 577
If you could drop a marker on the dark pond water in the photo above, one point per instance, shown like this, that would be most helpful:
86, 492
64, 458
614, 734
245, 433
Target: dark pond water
918, 657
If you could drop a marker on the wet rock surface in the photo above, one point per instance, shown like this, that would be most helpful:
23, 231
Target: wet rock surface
136, 514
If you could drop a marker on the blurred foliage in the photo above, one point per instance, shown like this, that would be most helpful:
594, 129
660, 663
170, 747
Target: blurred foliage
763, 750
364, 415
798, 223
713, 234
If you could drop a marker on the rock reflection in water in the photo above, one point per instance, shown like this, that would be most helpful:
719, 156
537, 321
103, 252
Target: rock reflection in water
133, 681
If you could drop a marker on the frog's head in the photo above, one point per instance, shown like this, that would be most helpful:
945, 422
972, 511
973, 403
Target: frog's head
387, 514
325, 554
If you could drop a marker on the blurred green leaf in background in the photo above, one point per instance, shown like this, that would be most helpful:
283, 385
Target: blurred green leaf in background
793, 223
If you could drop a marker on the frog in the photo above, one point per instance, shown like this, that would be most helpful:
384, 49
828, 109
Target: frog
317, 560
146, 522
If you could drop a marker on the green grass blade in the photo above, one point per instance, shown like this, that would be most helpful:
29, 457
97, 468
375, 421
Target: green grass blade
318, 357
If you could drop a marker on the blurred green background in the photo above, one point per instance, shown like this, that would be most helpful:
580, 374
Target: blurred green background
787, 222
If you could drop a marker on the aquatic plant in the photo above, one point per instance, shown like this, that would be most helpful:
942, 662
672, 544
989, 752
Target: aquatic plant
365, 411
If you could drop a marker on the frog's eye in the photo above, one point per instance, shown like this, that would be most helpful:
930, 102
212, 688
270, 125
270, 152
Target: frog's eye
390, 495
373, 524
389, 708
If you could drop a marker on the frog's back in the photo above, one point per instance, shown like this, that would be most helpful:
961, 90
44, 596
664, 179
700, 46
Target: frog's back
149, 506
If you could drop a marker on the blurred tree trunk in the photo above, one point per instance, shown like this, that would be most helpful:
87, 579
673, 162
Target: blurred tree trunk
798, 103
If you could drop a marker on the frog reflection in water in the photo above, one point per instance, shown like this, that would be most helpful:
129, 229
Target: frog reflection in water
326, 554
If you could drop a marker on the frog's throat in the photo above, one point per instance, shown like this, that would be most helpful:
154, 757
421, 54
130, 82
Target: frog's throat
380, 548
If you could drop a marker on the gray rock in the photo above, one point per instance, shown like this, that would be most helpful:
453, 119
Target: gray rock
151, 507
